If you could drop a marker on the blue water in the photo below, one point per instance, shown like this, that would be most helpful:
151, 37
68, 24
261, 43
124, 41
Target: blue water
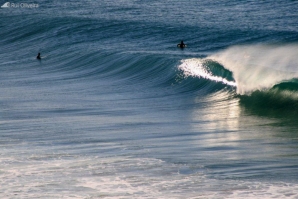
115, 110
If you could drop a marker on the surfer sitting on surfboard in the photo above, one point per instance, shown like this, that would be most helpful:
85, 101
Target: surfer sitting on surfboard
181, 45
38, 56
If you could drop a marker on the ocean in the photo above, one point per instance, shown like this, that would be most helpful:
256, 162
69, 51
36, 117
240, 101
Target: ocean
113, 109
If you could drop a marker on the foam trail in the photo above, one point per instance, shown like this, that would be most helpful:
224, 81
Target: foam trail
196, 68
259, 67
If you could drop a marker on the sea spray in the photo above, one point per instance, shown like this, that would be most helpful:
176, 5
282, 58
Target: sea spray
198, 68
259, 67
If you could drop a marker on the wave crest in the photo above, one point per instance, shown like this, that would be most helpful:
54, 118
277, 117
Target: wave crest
259, 67
202, 68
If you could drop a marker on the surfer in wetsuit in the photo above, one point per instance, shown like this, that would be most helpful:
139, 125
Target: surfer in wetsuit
38, 56
181, 45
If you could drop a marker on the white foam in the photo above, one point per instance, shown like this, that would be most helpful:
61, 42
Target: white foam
124, 177
195, 68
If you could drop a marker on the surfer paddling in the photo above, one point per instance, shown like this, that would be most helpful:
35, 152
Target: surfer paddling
181, 45
38, 56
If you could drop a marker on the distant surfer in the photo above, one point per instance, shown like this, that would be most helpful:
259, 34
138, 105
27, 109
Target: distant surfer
181, 45
38, 56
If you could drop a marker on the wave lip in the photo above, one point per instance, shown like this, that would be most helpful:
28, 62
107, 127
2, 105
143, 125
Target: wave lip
199, 68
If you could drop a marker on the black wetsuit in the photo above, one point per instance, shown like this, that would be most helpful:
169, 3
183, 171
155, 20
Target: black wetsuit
181, 45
